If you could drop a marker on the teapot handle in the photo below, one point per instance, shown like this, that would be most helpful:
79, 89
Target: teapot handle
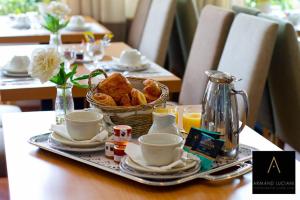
246, 104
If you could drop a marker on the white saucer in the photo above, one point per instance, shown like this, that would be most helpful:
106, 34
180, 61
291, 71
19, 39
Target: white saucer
21, 26
128, 161
62, 147
71, 27
15, 74
158, 176
57, 138
121, 67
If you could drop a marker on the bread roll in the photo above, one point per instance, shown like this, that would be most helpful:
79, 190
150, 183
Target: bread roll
125, 101
104, 99
152, 90
137, 98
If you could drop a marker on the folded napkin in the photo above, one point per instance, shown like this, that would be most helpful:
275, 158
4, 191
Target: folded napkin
135, 153
62, 131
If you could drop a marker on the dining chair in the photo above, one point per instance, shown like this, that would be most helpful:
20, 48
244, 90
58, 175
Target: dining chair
209, 40
264, 118
156, 34
247, 55
138, 23
4, 109
284, 83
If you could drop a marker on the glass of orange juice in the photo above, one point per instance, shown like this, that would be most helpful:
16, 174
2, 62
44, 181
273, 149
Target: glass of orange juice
191, 117
167, 108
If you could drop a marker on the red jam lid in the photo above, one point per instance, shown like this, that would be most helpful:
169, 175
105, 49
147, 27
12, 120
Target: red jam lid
122, 127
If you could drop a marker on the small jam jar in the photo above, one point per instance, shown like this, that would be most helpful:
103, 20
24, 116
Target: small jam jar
119, 152
109, 149
122, 134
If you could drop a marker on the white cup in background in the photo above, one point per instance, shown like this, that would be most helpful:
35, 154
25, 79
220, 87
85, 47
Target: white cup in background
77, 21
161, 149
18, 64
83, 125
22, 21
131, 57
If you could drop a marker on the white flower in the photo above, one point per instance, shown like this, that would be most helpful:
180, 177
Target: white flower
58, 9
45, 63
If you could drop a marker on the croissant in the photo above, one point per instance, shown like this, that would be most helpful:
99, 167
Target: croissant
125, 101
152, 90
116, 85
137, 97
104, 99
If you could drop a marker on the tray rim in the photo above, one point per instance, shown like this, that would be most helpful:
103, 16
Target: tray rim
202, 175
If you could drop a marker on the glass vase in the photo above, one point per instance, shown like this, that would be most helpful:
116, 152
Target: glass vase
55, 40
64, 103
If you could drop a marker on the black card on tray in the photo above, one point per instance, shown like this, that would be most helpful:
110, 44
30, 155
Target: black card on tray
206, 147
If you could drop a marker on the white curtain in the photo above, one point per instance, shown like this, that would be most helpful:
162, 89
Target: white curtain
221, 3
111, 11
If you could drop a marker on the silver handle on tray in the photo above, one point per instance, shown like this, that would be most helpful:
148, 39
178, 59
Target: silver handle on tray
243, 169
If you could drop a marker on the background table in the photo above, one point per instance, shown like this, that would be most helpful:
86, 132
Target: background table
38, 174
40, 35
31, 90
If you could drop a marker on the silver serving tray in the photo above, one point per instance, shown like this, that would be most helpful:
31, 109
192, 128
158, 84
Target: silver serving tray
98, 160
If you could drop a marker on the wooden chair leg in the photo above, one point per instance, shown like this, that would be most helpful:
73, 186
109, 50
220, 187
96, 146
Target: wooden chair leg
4, 189
273, 138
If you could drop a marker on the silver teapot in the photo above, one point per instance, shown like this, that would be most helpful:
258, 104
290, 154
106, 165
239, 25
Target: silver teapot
220, 110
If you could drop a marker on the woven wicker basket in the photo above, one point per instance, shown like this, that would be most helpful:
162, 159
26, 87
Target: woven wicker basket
138, 117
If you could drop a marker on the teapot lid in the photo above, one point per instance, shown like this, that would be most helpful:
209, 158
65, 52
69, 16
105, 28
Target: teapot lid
219, 77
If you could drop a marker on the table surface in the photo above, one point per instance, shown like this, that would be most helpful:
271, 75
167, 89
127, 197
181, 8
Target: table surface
33, 89
38, 174
9, 34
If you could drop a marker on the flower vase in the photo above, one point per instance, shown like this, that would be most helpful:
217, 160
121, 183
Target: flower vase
64, 103
55, 40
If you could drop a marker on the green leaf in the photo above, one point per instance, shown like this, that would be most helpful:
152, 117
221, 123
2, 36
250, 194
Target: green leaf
63, 25
75, 83
60, 77
55, 80
52, 23
62, 74
83, 77
72, 73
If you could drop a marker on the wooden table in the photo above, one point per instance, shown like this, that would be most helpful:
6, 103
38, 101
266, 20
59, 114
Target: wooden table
38, 174
35, 90
40, 35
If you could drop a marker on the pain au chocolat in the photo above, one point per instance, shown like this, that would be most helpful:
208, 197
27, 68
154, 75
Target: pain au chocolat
116, 86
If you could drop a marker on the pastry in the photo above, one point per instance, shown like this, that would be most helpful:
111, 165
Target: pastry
152, 90
104, 99
137, 97
125, 101
116, 86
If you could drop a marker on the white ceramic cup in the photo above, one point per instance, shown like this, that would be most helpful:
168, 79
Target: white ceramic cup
18, 64
77, 21
161, 149
22, 20
131, 57
83, 125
